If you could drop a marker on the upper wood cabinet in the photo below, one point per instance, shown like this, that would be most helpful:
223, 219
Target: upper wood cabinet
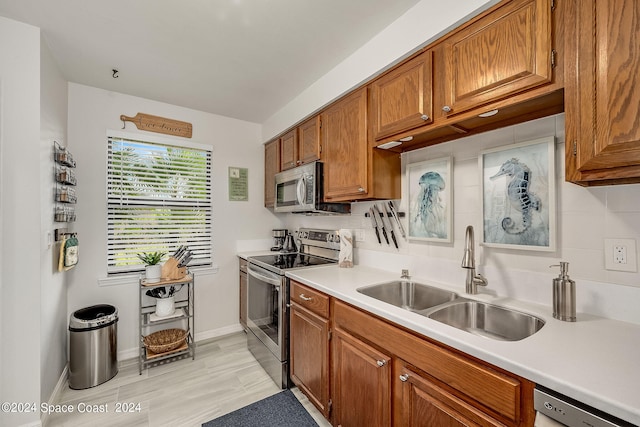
504, 53
300, 145
352, 169
271, 168
602, 92
402, 100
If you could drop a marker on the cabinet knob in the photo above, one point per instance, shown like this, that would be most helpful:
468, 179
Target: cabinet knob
361, 190
404, 377
303, 297
381, 362
446, 109
424, 117
299, 162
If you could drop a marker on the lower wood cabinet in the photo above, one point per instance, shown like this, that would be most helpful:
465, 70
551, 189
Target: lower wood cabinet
361, 370
361, 390
243, 292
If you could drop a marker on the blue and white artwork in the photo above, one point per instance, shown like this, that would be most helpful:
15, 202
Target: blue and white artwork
430, 200
518, 195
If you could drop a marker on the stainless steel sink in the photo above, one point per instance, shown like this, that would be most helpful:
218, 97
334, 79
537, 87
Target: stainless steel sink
488, 320
408, 295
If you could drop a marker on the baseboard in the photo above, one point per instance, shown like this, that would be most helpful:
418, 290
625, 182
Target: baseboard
54, 398
132, 353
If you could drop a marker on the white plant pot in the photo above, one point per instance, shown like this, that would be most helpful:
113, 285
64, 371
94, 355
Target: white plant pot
165, 306
153, 273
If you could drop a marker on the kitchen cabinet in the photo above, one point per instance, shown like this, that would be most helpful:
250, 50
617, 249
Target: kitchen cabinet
602, 89
422, 402
450, 384
361, 391
243, 292
309, 344
502, 54
271, 168
301, 145
349, 160
401, 100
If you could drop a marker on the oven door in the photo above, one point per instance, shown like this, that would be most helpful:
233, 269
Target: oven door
267, 309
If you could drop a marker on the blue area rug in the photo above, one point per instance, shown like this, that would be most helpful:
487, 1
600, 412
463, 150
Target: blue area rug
281, 410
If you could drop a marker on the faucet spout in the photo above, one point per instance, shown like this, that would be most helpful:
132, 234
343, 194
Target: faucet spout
468, 262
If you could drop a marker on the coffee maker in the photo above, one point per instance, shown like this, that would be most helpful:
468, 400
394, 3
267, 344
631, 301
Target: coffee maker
279, 235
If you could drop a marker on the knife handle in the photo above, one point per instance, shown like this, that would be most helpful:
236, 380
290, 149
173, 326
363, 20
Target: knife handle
393, 237
378, 236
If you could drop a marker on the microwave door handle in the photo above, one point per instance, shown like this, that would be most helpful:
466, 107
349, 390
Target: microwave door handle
301, 191
270, 280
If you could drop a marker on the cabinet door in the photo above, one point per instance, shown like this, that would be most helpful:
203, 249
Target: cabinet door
271, 168
309, 141
361, 392
289, 150
421, 402
501, 54
602, 92
344, 141
309, 358
243, 299
402, 99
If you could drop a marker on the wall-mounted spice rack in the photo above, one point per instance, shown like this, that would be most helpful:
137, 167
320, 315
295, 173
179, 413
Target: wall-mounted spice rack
65, 179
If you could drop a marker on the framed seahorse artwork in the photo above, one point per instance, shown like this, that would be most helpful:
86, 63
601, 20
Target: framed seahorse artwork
430, 191
518, 196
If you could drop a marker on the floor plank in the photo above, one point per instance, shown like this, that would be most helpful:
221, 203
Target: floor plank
224, 377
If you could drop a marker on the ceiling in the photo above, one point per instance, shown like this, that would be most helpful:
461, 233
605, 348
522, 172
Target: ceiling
244, 59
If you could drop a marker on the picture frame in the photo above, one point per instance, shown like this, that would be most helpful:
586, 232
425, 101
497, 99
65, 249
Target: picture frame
517, 196
430, 195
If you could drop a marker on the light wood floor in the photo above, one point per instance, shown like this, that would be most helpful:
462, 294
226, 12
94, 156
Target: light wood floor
224, 377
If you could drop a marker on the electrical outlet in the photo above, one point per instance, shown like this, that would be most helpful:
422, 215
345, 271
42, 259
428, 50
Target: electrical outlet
620, 255
359, 235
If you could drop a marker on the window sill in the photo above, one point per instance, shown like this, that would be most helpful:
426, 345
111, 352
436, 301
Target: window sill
128, 279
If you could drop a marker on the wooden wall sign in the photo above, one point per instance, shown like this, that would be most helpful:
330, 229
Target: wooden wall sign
160, 124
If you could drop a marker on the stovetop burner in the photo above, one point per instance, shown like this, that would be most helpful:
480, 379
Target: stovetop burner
288, 261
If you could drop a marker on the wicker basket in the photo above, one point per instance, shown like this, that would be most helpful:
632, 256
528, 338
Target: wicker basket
165, 340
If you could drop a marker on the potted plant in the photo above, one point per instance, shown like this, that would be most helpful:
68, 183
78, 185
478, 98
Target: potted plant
153, 270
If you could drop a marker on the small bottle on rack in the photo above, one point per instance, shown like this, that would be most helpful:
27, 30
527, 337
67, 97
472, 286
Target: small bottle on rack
564, 295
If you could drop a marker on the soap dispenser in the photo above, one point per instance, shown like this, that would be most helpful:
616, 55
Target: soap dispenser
564, 295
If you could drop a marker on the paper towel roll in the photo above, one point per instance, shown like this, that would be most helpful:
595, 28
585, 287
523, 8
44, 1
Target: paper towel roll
345, 258
543, 421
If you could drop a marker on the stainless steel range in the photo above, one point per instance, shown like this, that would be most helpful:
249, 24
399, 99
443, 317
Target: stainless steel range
268, 297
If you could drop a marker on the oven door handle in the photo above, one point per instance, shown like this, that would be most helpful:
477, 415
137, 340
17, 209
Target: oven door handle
275, 281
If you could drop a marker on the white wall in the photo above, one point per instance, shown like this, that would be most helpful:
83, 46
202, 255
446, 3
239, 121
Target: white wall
20, 212
420, 25
585, 217
235, 143
53, 322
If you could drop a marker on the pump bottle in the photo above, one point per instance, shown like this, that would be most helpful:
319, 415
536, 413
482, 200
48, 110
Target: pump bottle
564, 295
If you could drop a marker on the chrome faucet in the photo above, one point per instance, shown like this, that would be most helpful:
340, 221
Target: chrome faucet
468, 261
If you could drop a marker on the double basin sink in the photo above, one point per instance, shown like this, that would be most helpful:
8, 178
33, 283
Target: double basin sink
447, 307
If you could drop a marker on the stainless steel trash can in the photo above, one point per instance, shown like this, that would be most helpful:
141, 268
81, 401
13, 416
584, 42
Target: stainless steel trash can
93, 346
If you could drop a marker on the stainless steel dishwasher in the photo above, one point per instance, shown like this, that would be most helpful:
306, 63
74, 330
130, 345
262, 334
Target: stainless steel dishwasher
572, 413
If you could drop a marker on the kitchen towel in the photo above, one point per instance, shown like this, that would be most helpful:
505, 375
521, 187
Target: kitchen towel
68, 253
345, 257
544, 421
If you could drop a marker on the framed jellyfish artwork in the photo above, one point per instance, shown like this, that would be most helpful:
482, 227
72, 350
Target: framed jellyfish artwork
430, 200
518, 196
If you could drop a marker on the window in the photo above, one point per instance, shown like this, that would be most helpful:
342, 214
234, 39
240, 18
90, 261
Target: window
158, 198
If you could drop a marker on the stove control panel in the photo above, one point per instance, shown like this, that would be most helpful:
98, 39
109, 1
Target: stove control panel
318, 237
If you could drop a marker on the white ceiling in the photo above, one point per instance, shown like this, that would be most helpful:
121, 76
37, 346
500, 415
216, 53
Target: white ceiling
238, 58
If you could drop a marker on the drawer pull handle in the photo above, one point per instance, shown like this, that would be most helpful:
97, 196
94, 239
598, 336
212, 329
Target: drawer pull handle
404, 377
305, 298
381, 363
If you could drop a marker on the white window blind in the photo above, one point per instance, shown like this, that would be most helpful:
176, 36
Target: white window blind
158, 198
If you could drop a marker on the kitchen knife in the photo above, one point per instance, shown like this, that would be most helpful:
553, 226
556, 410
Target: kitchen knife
185, 261
397, 218
384, 231
374, 224
175, 254
386, 216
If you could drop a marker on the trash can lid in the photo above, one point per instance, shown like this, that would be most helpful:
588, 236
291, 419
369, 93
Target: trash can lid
95, 315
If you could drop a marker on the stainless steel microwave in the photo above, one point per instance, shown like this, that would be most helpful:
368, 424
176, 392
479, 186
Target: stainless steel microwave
299, 190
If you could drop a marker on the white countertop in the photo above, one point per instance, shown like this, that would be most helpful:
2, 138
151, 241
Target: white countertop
594, 360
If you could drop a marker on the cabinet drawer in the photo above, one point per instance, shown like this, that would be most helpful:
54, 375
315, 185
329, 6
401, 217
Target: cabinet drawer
497, 391
310, 299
